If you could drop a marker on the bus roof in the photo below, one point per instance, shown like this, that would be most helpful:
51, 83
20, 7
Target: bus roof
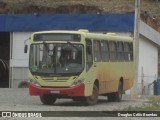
90, 35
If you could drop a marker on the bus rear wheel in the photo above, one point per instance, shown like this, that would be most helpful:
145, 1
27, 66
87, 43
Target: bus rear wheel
116, 96
48, 99
92, 100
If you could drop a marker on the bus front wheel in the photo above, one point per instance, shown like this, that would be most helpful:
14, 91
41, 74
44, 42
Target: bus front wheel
47, 99
92, 100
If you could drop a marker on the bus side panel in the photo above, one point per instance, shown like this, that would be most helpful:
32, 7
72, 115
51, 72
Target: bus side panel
129, 75
122, 70
110, 73
103, 75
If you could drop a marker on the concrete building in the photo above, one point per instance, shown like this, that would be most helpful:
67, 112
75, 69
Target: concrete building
149, 45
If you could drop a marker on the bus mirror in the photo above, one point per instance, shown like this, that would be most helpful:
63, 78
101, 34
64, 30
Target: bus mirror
25, 48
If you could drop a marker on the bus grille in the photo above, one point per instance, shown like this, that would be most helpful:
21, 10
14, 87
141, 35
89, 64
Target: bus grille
55, 79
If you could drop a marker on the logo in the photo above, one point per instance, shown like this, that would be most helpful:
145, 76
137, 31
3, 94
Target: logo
6, 114
20, 114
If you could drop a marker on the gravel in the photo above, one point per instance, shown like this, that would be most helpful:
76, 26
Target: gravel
18, 99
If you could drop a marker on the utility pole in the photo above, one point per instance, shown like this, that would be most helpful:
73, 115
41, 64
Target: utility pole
142, 82
134, 90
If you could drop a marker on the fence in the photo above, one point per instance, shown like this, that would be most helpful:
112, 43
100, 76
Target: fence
146, 84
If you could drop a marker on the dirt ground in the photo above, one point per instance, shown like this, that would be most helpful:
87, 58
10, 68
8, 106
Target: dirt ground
18, 99
50, 6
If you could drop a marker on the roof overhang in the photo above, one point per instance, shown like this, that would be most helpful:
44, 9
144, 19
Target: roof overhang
149, 33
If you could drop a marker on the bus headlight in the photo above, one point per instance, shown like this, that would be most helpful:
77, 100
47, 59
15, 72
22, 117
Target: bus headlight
78, 82
34, 82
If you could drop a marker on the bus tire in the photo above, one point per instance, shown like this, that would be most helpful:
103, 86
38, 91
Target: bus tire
48, 99
92, 100
116, 96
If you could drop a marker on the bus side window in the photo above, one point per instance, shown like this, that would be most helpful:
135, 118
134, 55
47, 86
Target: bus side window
120, 51
105, 51
126, 52
97, 50
113, 51
131, 51
89, 55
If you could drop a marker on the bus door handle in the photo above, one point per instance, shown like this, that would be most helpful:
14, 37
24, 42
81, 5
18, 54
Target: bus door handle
95, 65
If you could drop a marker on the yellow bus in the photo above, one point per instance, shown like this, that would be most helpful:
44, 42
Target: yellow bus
80, 65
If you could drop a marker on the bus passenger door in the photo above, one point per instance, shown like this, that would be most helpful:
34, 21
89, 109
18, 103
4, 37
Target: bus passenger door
90, 69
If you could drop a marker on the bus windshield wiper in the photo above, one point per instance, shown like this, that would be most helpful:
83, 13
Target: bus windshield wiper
73, 45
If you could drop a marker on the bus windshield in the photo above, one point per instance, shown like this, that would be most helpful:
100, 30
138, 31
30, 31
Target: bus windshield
56, 59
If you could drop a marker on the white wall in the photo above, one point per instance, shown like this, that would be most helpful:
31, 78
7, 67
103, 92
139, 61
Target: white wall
148, 60
18, 57
148, 57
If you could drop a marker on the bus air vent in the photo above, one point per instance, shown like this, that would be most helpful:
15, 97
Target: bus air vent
55, 79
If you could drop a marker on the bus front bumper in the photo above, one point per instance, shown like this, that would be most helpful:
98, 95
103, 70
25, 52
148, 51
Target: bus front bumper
70, 92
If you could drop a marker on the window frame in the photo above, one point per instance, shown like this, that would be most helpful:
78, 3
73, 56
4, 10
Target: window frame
120, 52
106, 51
126, 52
90, 48
97, 52
131, 51
111, 52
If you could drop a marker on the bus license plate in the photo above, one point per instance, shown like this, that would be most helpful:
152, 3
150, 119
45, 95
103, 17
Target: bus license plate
55, 91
